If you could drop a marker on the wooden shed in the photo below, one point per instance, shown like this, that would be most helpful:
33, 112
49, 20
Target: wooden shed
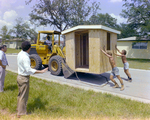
83, 44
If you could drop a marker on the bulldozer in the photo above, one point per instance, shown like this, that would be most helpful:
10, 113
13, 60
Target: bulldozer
51, 56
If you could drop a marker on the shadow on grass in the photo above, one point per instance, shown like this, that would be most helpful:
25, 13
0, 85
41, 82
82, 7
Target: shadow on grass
138, 60
11, 87
38, 103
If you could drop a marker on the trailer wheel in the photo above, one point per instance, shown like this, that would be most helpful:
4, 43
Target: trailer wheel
36, 62
55, 65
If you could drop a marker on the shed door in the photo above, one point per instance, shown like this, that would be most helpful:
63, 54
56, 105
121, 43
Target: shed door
82, 51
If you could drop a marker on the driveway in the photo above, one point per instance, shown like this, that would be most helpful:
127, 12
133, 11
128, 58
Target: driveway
137, 90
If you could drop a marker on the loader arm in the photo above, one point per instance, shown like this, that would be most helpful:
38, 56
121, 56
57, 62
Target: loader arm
58, 51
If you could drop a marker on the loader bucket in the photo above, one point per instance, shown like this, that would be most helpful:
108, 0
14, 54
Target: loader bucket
67, 71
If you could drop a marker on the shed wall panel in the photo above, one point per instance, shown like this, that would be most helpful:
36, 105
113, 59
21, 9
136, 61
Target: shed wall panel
113, 43
70, 50
104, 60
94, 51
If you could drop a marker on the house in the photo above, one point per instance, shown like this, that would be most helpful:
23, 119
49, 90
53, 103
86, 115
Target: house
14, 43
136, 48
83, 47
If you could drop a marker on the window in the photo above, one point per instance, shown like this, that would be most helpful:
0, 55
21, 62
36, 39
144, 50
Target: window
11, 42
139, 45
108, 41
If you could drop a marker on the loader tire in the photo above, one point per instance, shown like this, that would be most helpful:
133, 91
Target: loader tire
55, 65
36, 62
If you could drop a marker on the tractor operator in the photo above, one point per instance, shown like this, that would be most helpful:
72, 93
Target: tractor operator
48, 42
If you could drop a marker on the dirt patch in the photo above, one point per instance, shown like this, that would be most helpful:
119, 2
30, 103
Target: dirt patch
9, 116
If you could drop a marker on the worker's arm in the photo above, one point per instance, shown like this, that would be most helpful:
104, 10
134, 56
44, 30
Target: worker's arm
106, 53
117, 49
118, 55
41, 71
3, 66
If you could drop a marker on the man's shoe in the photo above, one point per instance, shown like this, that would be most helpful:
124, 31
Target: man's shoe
116, 86
129, 80
122, 88
18, 116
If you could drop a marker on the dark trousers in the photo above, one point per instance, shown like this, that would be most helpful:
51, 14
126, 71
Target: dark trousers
23, 86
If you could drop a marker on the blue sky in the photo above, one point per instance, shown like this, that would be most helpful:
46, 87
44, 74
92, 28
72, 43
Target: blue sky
11, 9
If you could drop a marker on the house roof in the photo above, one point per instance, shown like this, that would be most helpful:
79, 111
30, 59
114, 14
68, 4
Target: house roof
14, 39
133, 39
87, 27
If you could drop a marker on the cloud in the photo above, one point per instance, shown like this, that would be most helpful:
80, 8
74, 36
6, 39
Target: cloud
20, 7
115, 1
10, 16
2, 23
119, 18
6, 3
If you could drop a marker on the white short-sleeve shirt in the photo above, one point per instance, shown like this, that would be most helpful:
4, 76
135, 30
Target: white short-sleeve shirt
23, 62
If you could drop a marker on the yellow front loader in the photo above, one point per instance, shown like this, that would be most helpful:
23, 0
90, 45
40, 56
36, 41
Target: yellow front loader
52, 56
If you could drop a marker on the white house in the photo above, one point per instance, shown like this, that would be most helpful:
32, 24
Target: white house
14, 43
136, 48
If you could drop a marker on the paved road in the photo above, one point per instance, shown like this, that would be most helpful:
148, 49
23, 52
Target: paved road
137, 90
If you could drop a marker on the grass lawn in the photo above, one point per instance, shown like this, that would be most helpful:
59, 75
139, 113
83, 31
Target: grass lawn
49, 100
11, 50
135, 63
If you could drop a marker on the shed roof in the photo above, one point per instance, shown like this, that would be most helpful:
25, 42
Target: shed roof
90, 27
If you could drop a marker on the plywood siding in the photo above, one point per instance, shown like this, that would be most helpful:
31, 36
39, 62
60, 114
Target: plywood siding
113, 38
70, 50
104, 60
77, 51
94, 51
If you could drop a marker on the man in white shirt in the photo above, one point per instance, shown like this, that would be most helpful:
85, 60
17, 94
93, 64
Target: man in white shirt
3, 63
24, 72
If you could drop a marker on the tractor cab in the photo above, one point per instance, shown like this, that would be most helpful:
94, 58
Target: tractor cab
44, 48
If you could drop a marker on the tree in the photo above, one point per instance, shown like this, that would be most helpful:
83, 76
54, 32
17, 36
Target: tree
23, 30
126, 31
103, 19
4, 33
62, 13
138, 14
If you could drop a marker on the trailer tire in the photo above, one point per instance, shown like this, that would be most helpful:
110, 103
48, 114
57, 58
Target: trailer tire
36, 62
55, 65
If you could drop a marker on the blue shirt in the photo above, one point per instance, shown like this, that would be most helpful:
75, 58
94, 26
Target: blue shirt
3, 58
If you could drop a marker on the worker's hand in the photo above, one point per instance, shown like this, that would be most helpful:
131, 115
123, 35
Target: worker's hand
4, 66
44, 70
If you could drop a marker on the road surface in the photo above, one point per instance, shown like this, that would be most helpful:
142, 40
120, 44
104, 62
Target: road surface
137, 90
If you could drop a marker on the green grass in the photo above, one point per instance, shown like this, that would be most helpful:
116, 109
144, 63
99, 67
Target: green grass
135, 63
49, 100
11, 50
